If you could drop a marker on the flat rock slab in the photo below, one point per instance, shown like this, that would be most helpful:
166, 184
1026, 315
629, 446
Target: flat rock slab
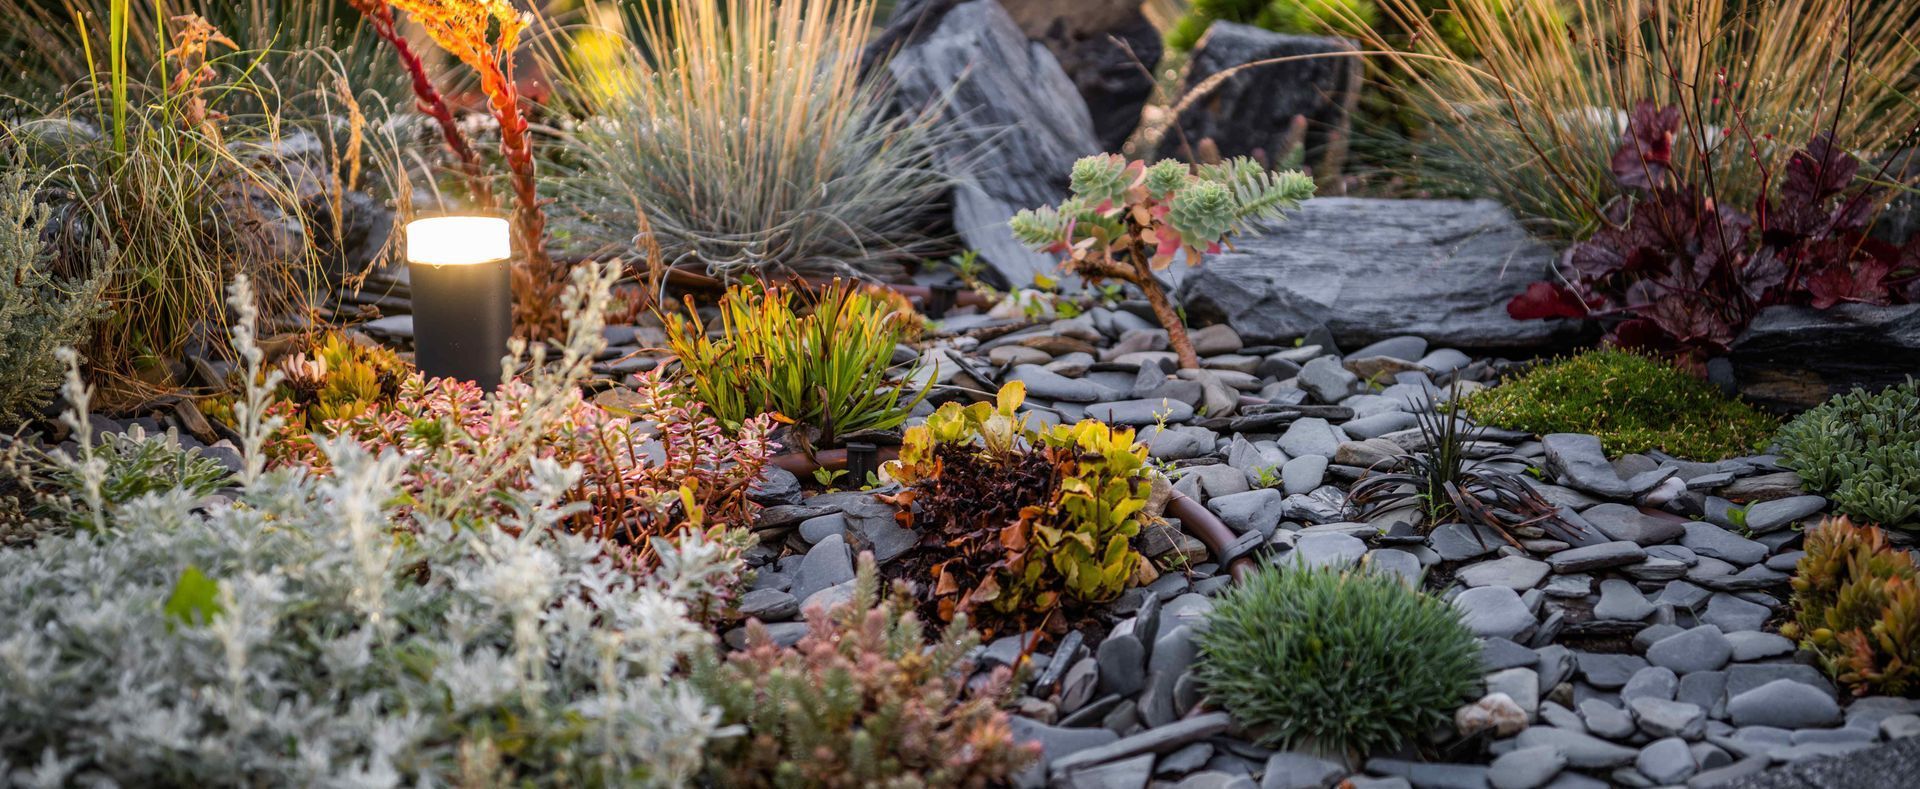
1371, 269
1793, 358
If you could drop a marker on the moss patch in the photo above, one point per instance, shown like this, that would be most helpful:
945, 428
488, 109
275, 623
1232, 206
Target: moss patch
1634, 403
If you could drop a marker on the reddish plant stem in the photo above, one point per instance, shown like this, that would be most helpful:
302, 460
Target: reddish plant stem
537, 283
428, 100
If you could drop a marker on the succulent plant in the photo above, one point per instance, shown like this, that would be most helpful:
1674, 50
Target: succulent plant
1863, 451
1127, 220
1856, 605
860, 701
339, 377
1023, 526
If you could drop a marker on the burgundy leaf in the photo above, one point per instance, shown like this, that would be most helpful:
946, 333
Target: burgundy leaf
1542, 300
1863, 282
1645, 157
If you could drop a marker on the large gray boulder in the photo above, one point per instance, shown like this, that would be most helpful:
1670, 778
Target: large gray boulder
1369, 269
1794, 358
1253, 113
1015, 120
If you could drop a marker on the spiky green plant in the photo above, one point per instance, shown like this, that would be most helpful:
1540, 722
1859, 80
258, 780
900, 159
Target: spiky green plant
1347, 660
1863, 451
1633, 402
1125, 221
746, 131
822, 363
860, 701
1446, 484
39, 312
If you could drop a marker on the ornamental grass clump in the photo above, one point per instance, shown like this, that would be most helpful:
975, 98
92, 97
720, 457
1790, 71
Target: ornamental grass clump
860, 701
747, 131
317, 631
1022, 528
1856, 607
1526, 99
1348, 660
1862, 451
1632, 402
821, 360
1126, 221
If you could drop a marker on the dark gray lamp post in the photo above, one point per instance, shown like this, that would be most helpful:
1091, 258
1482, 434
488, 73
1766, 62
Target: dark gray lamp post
462, 296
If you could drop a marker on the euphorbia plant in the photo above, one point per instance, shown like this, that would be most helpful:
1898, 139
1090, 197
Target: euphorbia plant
483, 34
1126, 220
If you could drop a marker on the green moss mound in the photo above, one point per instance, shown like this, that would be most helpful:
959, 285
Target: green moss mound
1349, 660
1633, 403
1862, 451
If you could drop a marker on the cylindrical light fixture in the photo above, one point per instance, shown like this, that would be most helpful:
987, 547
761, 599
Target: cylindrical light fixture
462, 296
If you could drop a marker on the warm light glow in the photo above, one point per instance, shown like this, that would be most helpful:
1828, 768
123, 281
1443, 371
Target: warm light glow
458, 240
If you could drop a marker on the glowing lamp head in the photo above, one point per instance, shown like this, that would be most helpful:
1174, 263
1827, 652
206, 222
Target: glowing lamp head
459, 240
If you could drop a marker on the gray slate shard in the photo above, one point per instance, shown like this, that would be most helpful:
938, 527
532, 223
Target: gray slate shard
1016, 120
1795, 358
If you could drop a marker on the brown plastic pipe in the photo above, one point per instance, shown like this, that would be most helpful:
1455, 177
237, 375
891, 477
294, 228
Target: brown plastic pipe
1210, 530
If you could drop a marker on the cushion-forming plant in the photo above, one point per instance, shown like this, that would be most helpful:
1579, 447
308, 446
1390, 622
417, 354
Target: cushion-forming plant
1355, 661
1862, 450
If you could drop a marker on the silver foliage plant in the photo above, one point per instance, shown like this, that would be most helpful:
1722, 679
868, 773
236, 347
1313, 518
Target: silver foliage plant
39, 312
311, 631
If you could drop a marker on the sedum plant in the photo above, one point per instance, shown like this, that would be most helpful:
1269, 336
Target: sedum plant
1632, 401
315, 631
1347, 660
1022, 526
1856, 606
1863, 452
1127, 220
823, 368
39, 311
860, 701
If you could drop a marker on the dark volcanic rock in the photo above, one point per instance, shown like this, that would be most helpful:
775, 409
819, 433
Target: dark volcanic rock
1368, 269
1082, 35
1015, 119
1794, 358
1252, 113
